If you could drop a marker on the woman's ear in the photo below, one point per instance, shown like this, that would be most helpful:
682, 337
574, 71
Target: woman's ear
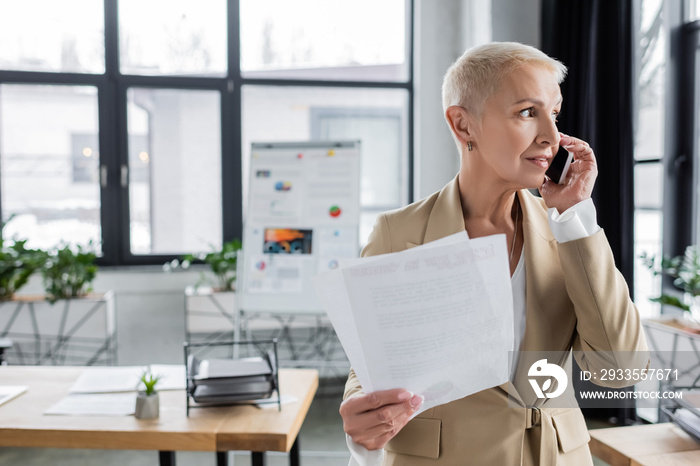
460, 123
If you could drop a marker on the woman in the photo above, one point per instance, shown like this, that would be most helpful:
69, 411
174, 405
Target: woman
501, 102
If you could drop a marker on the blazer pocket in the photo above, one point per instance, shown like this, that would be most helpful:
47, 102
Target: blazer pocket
571, 430
420, 437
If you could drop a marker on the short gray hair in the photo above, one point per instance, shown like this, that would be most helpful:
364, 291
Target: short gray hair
477, 74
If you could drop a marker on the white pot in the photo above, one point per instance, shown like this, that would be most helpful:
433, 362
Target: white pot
208, 311
147, 406
694, 303
78, 315
69, 332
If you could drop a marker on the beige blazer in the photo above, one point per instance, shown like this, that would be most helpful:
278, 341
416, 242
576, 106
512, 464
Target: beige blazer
575, 299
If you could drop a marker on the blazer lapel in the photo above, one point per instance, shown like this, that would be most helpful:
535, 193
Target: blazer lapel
536, 244
549, 319
547, 322
446, 216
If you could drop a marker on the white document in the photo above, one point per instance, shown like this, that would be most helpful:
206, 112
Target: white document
112, 404
452, 239
435, 319
8, 392
223, 368
127, 378
107, 379
172, 376
331, 291
270, 403
333, 295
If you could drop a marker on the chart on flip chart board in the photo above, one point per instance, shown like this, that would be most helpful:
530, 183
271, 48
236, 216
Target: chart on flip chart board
302, 217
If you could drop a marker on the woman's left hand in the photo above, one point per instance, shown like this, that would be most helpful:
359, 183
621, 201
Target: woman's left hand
579, 182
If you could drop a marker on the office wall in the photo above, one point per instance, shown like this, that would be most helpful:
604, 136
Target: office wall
444, 29
516, 21
150, 303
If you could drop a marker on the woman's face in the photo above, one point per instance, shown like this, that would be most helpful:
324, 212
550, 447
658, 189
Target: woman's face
518, 137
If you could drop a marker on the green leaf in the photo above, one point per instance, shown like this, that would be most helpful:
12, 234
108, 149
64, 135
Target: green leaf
150, 381
17, 264
222, 263
69, 273
684, 269
667, 300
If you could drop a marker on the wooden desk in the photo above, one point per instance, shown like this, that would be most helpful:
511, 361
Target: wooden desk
647, 445
219, 429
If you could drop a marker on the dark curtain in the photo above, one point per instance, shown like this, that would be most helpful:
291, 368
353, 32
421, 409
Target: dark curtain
594, 39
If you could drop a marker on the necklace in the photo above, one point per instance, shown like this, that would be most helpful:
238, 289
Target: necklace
515, 234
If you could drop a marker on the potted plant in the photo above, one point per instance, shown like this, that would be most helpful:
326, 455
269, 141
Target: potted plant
147, 403
685, 270
69, 273
222, 263
17, 264
76, 331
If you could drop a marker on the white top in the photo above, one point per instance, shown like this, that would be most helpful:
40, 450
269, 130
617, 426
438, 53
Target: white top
518, 282
579, 221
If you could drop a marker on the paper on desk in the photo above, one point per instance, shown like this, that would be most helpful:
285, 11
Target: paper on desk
107, 379
436, 319
112, 404
269, 403
8, 392
127, 378
172, 376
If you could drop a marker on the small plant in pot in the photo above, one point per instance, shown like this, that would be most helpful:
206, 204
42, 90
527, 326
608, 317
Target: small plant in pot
147, 403
68, 272
685, 270
222, 263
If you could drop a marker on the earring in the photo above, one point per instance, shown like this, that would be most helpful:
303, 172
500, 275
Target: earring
469, 146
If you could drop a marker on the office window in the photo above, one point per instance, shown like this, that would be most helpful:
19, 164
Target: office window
324, 39
49, 161
174, 170
692, 124
649, 149
382, 133
139, 114
648, 221
376, 117
46, 35
162, 37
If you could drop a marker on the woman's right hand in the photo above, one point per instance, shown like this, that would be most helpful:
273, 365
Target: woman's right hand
373, 419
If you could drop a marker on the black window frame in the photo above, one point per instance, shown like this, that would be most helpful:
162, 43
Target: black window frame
680, 214
685, 164
112, 87
681, 130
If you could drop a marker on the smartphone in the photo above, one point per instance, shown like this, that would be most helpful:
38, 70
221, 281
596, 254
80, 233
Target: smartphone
560, 166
